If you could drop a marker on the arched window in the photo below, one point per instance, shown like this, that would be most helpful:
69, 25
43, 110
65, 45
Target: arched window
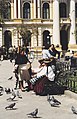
7, 38
62, 10
46, 38
26, 11
76, 10
46, 12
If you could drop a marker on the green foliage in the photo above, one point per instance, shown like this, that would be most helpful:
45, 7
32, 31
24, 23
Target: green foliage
5, 9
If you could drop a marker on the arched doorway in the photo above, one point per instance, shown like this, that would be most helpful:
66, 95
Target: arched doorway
64, 39
7, 39
46, 38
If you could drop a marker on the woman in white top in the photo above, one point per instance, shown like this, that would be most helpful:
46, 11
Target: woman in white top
45, 53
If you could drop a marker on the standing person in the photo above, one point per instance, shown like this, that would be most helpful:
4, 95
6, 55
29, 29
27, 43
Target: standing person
21, 60
10, 51
26, 51
53, 51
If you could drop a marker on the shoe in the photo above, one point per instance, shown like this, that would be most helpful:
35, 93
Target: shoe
23, 90
27, 89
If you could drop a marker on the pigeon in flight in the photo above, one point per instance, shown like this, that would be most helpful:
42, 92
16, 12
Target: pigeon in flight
34, 113
74, 110
18, 94
10, 106
10, 78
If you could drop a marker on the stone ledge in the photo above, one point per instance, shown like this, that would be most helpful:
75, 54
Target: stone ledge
70, 94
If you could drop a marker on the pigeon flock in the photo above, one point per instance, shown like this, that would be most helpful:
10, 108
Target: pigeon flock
15, 93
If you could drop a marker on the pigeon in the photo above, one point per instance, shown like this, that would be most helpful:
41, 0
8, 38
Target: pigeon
18, 94
13, 93
7, 90
10, 78
1, 93
74, 110
55, 100
53, 104
52, 101
11, 98
10, 106
34, 113
1, 88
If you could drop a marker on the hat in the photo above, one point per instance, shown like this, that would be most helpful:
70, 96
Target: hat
41, 60
51, 58
47, 61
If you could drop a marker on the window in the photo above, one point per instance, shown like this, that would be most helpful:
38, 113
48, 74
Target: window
26, 11
62, 10
46, 13
76, 10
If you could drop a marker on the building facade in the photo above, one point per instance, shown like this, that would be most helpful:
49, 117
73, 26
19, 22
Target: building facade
49, 21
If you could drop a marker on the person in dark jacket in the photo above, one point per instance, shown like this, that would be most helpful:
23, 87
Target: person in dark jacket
53, 51
20, 61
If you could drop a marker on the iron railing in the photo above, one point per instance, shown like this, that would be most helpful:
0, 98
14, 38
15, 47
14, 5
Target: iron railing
66, 76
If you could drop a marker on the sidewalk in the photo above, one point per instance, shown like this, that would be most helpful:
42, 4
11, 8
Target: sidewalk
30, 101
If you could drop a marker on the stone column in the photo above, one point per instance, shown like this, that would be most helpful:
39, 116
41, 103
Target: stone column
39, 37
51, 10
0, 36
19, 9
72, 19
15, 10
34, 9
38, 3
56, 27
31, 10
12, 10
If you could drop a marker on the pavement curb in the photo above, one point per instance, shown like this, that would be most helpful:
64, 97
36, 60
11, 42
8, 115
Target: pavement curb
70, 94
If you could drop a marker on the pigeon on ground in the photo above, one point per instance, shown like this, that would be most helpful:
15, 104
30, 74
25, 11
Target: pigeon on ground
1, 93
7, 90
1, 88
34, 113
53, 104
10, 78
74, 110
10, 106
11, 98
55, 100
13, 93
18, 94
52, 101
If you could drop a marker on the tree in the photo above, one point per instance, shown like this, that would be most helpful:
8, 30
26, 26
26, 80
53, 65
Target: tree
4, 10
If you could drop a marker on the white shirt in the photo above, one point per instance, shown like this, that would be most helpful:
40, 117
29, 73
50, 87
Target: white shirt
50, 74
46, 53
